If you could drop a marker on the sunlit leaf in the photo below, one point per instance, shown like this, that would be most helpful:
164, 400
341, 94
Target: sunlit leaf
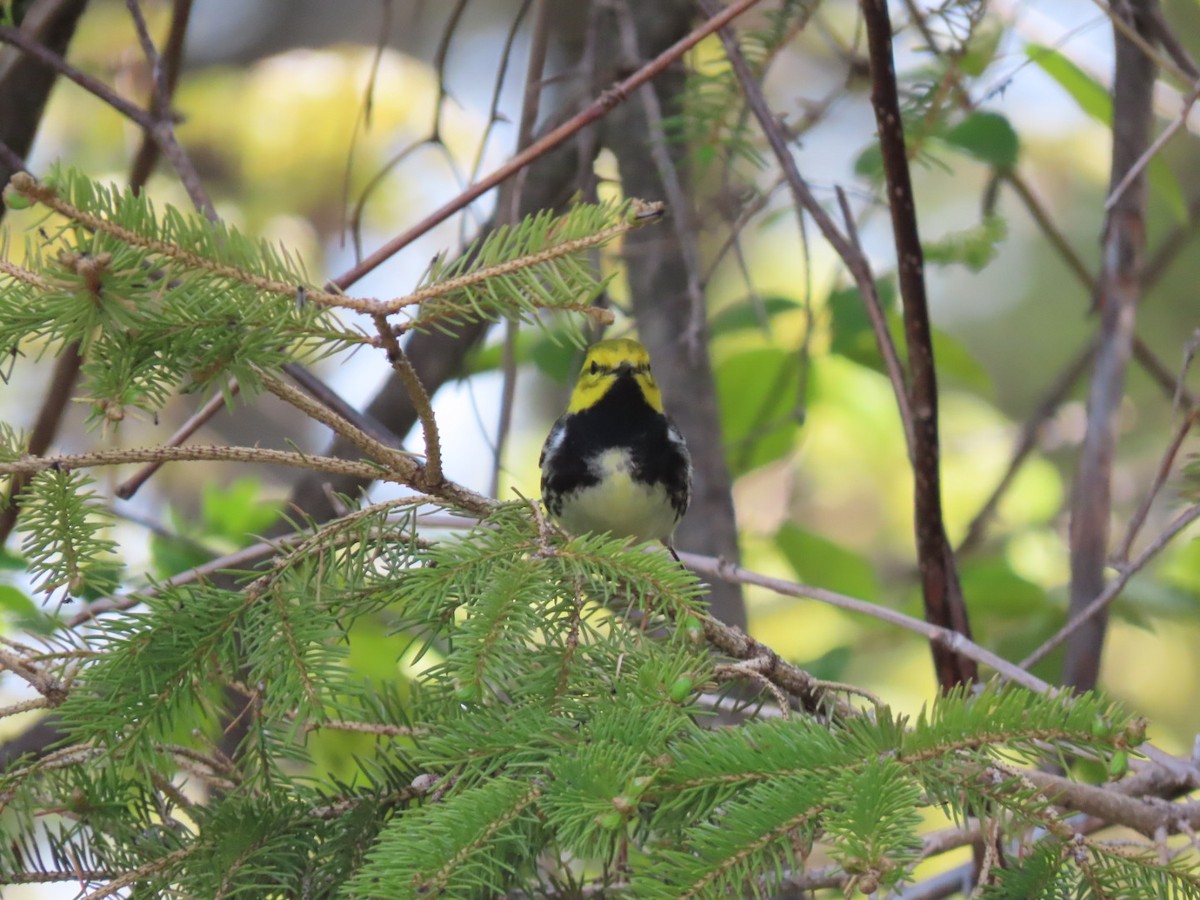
1089, 94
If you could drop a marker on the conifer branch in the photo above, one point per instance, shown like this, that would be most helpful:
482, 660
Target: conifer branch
639, 215
47, 195
130, 486
951, 640
31, 464
133, 876
420, 401
23, 275
403, 464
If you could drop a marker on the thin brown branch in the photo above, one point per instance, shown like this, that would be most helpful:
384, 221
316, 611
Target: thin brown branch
419, 397
679, 201
1119, 289
942, 591
1149, 819
163, 132
1121, 557
618, 93
400, 462
883, 335
942, 637
1135, 171
133, 483
1080, 615
333, 401
17, 38
171, 61
851, 254
162, 864
1146, 358
530, 104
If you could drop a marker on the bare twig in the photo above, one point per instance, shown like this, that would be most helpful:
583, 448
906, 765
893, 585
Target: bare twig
1140, 164
17, 38
683, 219
1081, 615
1160, 477
530, 105
942, 591
399, 461
935, 634
163, 132
171, 63
883, 335
1119, 290
618, 93
130, 485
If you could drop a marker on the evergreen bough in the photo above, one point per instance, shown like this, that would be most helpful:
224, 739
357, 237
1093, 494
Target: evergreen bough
551, 729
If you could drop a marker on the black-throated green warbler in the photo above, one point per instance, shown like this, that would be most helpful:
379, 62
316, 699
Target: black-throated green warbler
614, 461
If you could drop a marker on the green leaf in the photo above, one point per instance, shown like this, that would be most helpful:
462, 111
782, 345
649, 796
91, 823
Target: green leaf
553, 351
10, 561
758, 393
994, 589
988, 137
973, 247
237, 512
818, 560
23, 612
853, 336
854, 339
955, 362
171, 555
981, 48
1094, 99
1164, 183
869, 164
1089, 94
747, 315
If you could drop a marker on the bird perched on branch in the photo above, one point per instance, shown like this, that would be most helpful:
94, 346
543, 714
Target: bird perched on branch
614, 461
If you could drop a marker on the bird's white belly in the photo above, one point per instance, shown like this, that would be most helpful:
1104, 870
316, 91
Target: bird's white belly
618, 504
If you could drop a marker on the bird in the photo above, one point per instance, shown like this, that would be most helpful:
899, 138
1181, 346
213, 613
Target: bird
614, 461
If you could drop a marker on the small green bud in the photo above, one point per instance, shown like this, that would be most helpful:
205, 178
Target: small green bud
1118, 765
623, 804
682, 688
610, 821
14, 199
1135, 732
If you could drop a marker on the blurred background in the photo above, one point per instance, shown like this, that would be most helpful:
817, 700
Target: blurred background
330, 127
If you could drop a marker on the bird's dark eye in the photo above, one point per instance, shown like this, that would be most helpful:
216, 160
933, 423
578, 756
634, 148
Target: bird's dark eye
595, 369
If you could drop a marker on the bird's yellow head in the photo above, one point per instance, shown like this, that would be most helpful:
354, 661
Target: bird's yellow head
607, 361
